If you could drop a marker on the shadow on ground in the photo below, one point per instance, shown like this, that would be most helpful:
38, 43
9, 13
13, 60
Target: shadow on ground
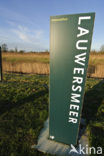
6, 104
92, 101
93, 113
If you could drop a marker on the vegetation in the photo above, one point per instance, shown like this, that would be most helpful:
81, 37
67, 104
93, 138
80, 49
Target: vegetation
35, 63
102, 48
4, 47
24, 108
93, 112
26, 57
38, 63
96, 58
96, 65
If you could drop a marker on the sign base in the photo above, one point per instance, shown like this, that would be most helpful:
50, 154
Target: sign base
46, 145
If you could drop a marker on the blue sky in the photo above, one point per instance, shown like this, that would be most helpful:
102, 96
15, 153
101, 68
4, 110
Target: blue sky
25, 24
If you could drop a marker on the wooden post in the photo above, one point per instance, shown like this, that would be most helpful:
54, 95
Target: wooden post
1, 75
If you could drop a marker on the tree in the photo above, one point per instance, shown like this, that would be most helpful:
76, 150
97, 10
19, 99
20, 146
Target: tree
16, 50
102, 48
4, 47
21, 51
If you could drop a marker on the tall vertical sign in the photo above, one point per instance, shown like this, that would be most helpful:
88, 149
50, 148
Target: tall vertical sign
0, 65
70, 42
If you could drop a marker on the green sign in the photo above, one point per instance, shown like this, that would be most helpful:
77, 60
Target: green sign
70, 42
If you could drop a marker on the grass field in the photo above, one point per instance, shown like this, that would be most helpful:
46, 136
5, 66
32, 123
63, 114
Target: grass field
35, 63
38, 63
41, 57
24, 103
96, 65
93, 112
23, 110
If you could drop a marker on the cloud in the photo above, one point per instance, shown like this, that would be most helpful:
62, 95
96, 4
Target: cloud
21, 35
27, 35
20, 30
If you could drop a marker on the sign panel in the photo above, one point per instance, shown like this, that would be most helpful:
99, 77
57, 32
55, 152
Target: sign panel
70, 41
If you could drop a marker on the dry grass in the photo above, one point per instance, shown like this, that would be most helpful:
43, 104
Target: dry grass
26, 57
96, 59
31, 68
35, 63
38, 63
96, 65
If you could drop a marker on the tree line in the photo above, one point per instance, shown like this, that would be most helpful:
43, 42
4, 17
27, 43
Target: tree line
4, 48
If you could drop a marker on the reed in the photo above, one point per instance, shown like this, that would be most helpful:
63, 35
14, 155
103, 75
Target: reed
33, 63
38, 63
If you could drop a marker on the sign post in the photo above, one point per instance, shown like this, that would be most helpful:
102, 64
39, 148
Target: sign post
1, 76
70, 42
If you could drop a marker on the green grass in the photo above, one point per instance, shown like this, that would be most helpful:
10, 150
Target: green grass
93, 112
25, 59
24, 108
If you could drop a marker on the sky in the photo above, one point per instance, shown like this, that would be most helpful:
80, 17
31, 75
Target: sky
25, 24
